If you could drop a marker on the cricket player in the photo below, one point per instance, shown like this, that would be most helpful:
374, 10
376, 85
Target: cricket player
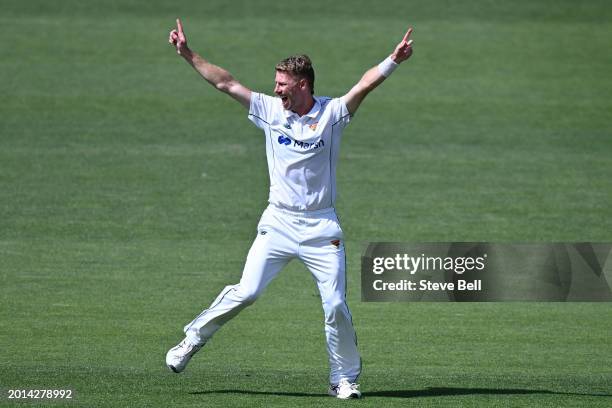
302, 136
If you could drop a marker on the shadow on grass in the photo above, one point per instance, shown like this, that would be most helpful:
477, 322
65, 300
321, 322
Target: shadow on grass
449, 391
428, 392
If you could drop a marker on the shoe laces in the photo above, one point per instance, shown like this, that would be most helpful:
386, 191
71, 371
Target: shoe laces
188, 347
346, 383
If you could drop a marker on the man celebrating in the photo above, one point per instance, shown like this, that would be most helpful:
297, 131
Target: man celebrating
303, 134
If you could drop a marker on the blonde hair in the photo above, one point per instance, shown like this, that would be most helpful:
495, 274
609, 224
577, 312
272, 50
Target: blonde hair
300, 67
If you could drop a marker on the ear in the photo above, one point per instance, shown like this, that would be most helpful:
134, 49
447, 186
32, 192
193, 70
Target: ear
303, 83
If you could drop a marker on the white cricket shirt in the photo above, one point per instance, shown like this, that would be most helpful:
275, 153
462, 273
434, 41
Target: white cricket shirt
302, 151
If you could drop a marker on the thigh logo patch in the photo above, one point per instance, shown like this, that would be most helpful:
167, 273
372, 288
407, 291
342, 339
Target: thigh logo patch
336, 243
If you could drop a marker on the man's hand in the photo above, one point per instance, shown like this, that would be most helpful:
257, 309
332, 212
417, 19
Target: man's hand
403, 51
374, 76
216, 76
177, 38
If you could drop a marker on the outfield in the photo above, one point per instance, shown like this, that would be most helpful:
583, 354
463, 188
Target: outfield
130, 191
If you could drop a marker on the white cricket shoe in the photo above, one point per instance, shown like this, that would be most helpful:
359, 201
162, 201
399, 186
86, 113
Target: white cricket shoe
345, 390
178, 356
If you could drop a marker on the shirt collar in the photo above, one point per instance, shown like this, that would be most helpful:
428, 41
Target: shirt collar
314, 111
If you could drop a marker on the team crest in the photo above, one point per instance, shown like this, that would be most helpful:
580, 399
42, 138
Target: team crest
336, 243
313, 127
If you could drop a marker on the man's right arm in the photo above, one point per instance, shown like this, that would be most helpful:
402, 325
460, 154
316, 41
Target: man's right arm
216, 76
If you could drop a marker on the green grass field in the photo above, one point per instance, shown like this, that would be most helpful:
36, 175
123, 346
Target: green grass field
130, 191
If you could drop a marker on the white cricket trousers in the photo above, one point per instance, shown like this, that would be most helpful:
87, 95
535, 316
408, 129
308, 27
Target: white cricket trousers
317, 240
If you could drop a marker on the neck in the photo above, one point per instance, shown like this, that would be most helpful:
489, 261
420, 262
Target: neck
305, 107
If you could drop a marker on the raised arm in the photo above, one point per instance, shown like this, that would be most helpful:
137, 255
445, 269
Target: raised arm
216, 76
377, 74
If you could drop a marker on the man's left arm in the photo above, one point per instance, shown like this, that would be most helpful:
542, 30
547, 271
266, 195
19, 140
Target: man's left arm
376, 75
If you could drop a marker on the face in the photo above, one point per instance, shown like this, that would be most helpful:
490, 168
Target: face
289, 89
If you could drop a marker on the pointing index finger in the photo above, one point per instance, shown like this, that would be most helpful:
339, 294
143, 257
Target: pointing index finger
407, 34
179, 26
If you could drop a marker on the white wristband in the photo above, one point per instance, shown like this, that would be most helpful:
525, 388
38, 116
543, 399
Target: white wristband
387, 67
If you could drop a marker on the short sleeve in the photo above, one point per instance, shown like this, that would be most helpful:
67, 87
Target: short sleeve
261, 109
340, 114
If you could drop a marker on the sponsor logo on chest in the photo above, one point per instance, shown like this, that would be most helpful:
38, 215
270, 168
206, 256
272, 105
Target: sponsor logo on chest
287, 141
